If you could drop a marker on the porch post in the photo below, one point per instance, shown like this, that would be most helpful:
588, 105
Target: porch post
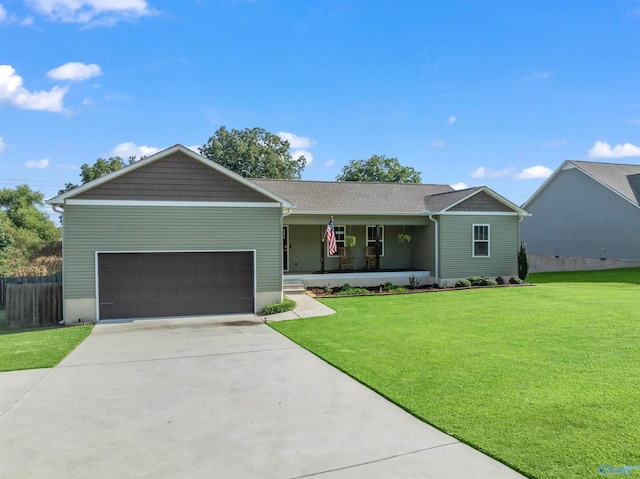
378, 231
322, 255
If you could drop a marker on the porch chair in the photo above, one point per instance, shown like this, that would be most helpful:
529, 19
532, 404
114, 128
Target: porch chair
345, 259
370, 256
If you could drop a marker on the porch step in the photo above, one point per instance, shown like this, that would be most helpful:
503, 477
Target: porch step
293, 287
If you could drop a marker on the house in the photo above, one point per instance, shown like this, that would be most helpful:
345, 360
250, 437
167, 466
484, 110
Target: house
176, 234
585, 216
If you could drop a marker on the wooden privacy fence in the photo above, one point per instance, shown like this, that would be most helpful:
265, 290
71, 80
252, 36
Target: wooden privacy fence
32, 305
5, 280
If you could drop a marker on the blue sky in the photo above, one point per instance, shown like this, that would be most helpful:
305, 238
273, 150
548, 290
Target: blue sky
495, 93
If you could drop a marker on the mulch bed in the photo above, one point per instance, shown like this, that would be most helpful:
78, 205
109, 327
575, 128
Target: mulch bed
375, 290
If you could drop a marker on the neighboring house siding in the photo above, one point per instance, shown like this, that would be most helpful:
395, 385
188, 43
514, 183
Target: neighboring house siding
174, 178
456, 258
481, 202
145, 228
576, 216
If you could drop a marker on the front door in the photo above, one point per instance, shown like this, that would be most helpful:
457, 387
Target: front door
285, 248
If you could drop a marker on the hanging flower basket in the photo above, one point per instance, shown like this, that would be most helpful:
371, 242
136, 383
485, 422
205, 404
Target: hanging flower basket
404, 238
349, 241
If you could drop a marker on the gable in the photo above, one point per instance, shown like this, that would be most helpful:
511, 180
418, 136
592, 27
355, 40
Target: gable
176, 177
481, 202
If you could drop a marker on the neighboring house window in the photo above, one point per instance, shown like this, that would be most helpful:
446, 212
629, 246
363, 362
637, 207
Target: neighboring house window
339, 232
371, 238
480, 240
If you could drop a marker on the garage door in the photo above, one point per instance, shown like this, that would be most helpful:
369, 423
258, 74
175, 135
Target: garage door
142, 285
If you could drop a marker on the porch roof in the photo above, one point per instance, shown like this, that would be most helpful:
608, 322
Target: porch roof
351, 197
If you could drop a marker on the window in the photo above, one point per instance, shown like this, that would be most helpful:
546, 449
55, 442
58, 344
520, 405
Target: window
339, 232
480, 240
371, 238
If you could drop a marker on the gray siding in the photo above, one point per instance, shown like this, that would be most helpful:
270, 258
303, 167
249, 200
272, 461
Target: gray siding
135, 228
481, 202
456, 255
423, 248
174, 178
578, 217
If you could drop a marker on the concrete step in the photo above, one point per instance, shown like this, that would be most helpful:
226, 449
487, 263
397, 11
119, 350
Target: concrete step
293, 287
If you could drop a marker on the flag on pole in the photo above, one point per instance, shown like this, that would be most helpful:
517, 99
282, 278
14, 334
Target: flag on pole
331, 237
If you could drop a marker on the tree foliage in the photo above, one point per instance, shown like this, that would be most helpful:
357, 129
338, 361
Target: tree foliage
26, 233
380, 169
253, 153
100, 168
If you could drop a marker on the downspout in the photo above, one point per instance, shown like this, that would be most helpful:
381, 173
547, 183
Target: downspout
55, 208
60, 211
437, 279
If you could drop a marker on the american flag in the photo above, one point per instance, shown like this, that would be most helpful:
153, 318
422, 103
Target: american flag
331, 237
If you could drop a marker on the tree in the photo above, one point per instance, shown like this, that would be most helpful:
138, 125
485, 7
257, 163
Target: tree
100, 168
21, 207
379, 168
253, 153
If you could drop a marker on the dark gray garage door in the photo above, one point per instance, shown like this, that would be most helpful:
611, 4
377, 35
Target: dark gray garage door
142, 285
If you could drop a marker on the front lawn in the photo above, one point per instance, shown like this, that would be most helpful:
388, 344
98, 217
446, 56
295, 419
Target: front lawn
545, 379
37, 348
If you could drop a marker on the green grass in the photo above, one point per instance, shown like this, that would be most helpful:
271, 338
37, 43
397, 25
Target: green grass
545, 379
37, 348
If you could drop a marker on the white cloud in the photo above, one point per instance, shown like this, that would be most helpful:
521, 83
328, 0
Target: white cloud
538, 76
437, 144
195, 148
329, 163
129, 148
482, 172
87, 101
460, 186
552, 143
451, 120
40, 164
3, 14
75, 71
91, 12
602, 149
12, 91
534, 172
3, 145
296, 141
26, 21
307, 154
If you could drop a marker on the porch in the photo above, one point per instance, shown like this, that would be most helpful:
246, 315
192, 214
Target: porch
293, 281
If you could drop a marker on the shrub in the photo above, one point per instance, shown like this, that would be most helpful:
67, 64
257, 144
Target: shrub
348, 290
285, 305
499, 280
523, 261
513, 280
392, 288
463, 283
475, 280
487, 282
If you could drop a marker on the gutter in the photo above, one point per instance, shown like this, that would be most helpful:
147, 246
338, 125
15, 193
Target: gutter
437, 242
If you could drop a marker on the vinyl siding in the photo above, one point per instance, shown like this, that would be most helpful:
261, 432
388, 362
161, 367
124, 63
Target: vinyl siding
456, 255
144, 228
481, 202
423, 248
174, 178
577, 216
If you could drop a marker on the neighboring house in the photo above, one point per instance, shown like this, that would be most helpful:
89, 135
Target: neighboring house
176, 234
585, 216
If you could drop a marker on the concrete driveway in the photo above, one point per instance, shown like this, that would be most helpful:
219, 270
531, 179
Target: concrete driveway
223, 397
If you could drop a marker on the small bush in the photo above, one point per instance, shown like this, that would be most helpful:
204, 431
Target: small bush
274, 308
392, 288
499, 280
414, 282
348, 290
487, 282
463, 283
513, 280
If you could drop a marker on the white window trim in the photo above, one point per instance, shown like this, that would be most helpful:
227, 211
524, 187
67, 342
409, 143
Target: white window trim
366, 238
474, 241
337, 241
